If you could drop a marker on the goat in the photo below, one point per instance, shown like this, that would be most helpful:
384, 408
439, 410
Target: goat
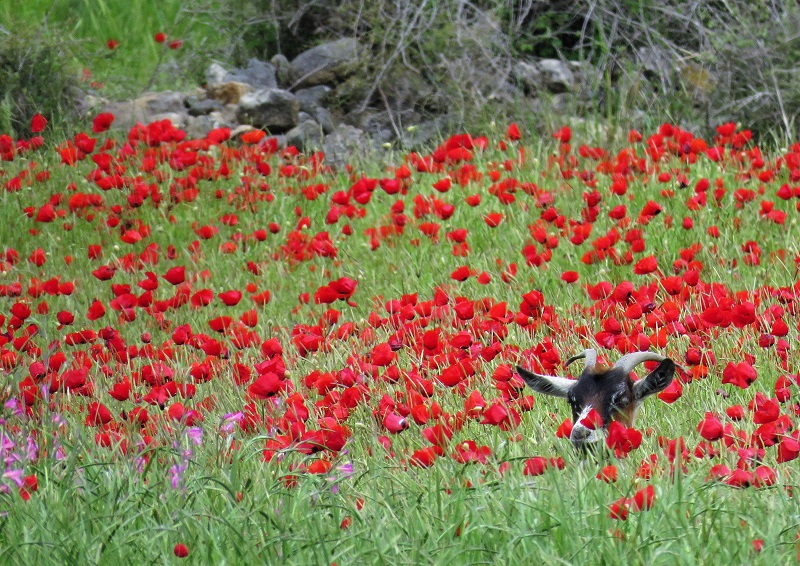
610, 391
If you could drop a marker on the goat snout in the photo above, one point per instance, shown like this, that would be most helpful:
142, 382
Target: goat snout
582, 436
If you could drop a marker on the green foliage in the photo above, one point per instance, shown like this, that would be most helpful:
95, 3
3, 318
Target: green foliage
36, 76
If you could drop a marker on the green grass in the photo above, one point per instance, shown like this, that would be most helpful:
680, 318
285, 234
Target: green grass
109, 505
138, 62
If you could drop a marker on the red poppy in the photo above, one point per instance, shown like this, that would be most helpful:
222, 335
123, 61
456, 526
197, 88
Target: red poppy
608, 474
535, 466
593, 420
710, 427
176, 275
493, 219
646, 265
102, 122
230, 298
741, 375
180, 550
643, 499
38, 123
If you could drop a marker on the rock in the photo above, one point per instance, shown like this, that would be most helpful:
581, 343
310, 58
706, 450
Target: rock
197, 127
274, 110
557, 76
349, 94
343, 143
655, 62
215, 74
258, 74
201, 106
145, 108
306, 137
311, 98
325, 63
228, 92
323, 117
178, 119
426, 134
405, 89
281, 64
528, 77
239, 130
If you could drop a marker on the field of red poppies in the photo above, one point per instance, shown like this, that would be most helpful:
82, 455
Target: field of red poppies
228, 351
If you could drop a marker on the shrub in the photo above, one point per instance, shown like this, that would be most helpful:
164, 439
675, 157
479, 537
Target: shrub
37, 75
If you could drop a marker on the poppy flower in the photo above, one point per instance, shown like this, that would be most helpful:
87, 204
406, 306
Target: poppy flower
394, 423
643, 499
102, 122
493, 219
622, 439
38, 123
425, 457
564, 135
710, 427
646, 265
30, 485
593, 420
535, 466
176, 275
230, 298
741, 375
180, 550
608, 474
618, 510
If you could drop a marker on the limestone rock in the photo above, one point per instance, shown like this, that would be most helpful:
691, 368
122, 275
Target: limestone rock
311, 98
324, 63
557, 76
344, 142
274, 110
307, 136
145, 108
201, 106
228, 92
258, 74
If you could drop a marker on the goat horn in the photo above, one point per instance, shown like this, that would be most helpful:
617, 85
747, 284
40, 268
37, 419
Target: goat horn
630, 361
589, 354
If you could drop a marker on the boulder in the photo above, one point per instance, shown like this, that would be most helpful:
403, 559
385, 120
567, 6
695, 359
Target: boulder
323, 117
311, 98
201, 106
274, 110
344, 142
215, 74
281, 64
306, 136
528, 77
228, 92
324, 64
557, 77
258, 74
178, 119
145, 108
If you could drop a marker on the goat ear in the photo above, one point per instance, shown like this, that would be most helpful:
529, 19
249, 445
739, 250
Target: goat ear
655, 381
546, 384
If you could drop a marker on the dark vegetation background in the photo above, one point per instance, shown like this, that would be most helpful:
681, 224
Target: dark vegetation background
695, 63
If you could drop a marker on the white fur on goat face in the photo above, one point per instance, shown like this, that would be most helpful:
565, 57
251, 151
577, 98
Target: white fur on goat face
609, 391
